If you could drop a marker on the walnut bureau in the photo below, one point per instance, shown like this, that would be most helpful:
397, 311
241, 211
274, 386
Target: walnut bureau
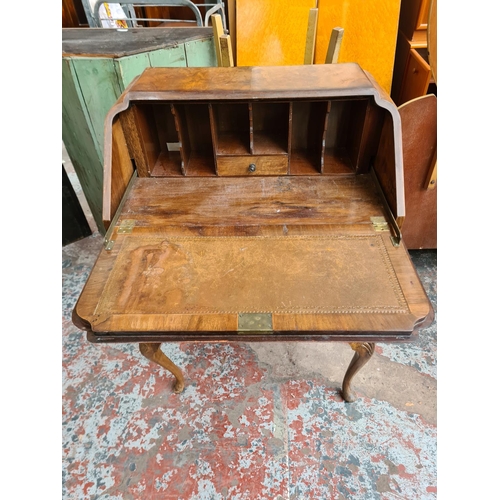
253, 204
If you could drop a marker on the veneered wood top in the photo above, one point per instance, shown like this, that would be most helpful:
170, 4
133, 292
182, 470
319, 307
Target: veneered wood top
102, 42
311, 81
228, 201
202, 252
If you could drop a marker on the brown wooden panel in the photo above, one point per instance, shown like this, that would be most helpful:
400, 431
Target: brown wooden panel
232, 128
122, 166
69, 14
252, 200
264, 165
416, 77
384, 165
419, 130
270, 125
135, 145
148, 134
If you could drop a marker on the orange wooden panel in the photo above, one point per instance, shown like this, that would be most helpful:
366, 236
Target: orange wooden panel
370, 32
271, 33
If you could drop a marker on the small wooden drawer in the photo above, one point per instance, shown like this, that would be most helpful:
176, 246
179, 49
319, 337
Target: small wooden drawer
252, 165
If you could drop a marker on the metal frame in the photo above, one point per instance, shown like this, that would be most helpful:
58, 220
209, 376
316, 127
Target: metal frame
132, 20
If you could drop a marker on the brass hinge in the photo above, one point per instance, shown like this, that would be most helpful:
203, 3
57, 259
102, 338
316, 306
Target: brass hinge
108, 242
126, 226
379, 224
260, 323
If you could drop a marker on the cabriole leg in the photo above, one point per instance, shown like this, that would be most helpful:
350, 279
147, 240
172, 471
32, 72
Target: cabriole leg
364, 351
154, 353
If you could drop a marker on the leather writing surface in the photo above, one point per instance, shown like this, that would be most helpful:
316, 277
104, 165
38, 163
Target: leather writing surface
273, 274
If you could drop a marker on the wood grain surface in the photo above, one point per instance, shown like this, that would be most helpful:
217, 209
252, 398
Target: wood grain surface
213, 217
102, 42
271, 33
370, 33
419, 128
209, 239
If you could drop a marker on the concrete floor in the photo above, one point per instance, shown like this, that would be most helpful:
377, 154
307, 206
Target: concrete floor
256, 421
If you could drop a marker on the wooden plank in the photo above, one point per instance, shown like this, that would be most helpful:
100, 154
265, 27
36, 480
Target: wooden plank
312, 25
370, 32
80, 142
127, 68
226, 51
169, 57
200, 53
432, 38
100, 89
231, 8
332, 55
218, 32
111, 43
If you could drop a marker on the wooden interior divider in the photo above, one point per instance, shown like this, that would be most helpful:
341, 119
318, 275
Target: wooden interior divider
317, 136
185, 147
213, 129
250, 115
323, 136
289, 145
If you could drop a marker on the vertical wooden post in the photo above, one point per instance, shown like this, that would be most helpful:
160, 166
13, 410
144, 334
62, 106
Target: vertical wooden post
231, 7
311, 36
218, 31
226, 51
332, 55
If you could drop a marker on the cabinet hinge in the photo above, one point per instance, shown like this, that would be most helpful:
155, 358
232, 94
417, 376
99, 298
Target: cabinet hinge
126, 226
379, 224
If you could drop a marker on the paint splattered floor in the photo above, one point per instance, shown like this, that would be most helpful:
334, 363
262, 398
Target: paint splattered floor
256, 421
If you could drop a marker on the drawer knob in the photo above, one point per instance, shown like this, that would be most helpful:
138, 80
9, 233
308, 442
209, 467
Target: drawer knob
252, 167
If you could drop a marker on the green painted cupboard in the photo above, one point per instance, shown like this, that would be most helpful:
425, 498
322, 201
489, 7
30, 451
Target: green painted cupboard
97, 65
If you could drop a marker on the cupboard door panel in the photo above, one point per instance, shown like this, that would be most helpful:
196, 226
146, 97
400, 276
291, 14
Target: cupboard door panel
416, 77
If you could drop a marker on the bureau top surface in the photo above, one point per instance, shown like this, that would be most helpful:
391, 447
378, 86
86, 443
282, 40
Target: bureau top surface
102, 42
314, 81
